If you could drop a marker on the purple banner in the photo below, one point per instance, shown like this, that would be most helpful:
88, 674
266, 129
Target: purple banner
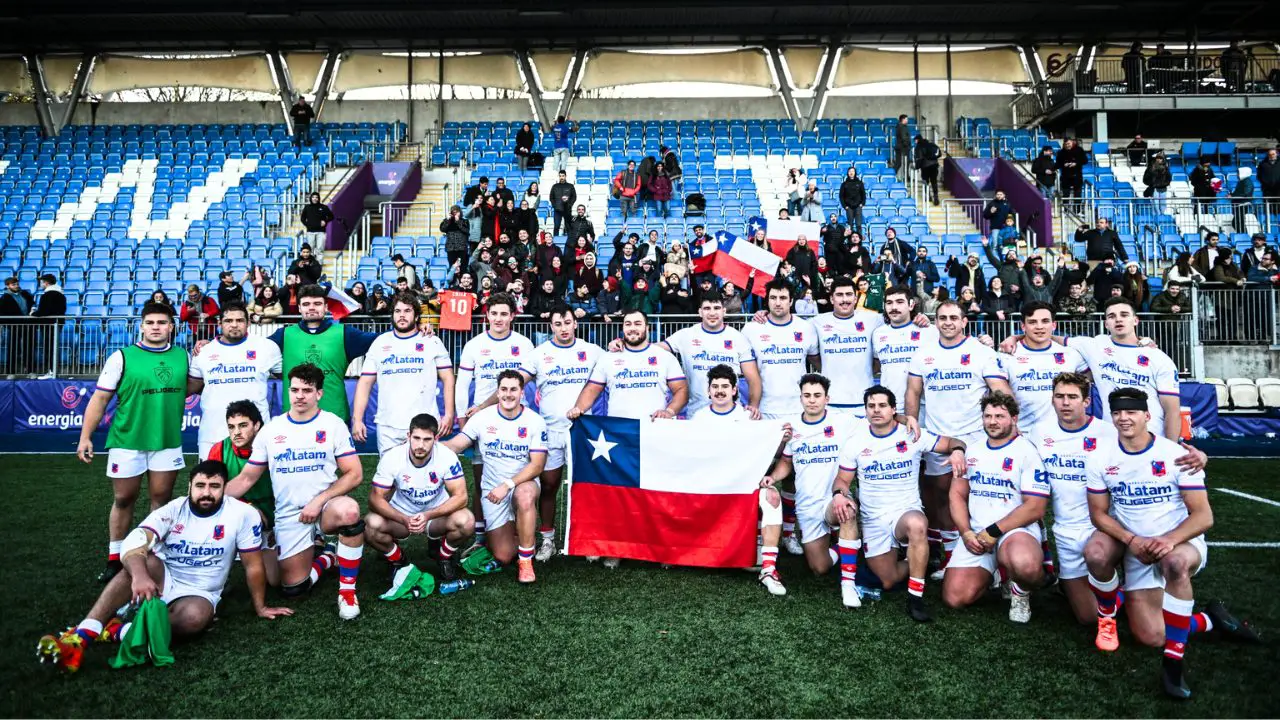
388, 176
347, 206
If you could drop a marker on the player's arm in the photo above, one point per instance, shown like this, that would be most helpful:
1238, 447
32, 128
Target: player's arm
461, 390
445, 374
958, 500
755, 387
679, 398
954, 449
1031, 510
379, 499
350, 474
1172, 407
92, 416
998, 384
249, 475
586, 399
133, 554
255, 575
1199, 519
781, 469
359, 403
195, 385
531, 471
915, 388
1100, 512
459, 442
457, 489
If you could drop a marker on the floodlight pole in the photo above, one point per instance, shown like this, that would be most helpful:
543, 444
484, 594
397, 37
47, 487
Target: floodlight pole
40, 89
531, 85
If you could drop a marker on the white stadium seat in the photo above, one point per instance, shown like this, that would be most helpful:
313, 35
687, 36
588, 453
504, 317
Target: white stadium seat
1220, 388
1244, 394
1269, 392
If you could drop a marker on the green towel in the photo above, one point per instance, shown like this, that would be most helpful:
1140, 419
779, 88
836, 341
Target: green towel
480, 562
409, 583
148, 637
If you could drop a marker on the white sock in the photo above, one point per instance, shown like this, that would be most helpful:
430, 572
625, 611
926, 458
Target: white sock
91, 626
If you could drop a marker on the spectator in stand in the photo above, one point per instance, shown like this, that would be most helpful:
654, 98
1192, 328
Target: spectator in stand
524, 146
1101, 241
732, 299
504, 194
302, 115
970, 304
583, 304
1269, 180
379, 303
677, 262
671, 163
1071, 161
289, 296
456, 234
1009, 270
1157, 178
624, 265
1008, 236
1226, 271
927, 158
543, 299
580, 226
642, 296
1075, 272
407, 270
609, 301
794, 187
811, 203
806, 306
675, 298
1136, 151
16, 305
563, 197
1265, 270
544, 252
922, 265
1077, 303
506, 218
480, 266
1039, 287
560, 141
1103, 277
474, 215
1034, 266
853, 196
1134, 66
929, 303
1171, 301
1227, 305
360, 294
902, 149
967, 274
306, 266
478, 191
315, 217
858, 256
526, 219
1206, 256
626, 186
533, 196
660, 188
578, 250
560, 274
650, 271
804, 260
402, 287
1251, 257
266, 305
200, 312
833, 234
901, 249
1235, 67
1242, 200
998, 303
1184, 271
462, 282
895, 272
51, 306
484, 292
1045, 171
1134, 286
997, 209
230, 292
1202, 188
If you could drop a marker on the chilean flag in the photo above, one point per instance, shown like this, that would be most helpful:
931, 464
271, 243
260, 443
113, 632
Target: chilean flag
648, 490
340, 304
704, 255
783, 234
736, 258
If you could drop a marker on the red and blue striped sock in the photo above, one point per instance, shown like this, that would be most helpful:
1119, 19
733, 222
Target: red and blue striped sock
848, 560
525, 553
349, 566
788, 514
322, 562
89, 630
1200, 623
1048, 556
113, 550
1105, 591
1177, 625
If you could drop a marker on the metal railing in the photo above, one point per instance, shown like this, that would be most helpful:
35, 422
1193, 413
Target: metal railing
1247, 315
397, 214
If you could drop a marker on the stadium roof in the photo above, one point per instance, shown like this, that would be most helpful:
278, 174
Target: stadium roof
50, 26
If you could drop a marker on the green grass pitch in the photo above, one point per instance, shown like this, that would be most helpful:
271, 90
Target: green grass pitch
639, 641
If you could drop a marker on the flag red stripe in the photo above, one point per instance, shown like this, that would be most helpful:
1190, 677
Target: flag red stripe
737, 272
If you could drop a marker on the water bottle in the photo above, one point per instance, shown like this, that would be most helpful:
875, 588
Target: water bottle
450, 588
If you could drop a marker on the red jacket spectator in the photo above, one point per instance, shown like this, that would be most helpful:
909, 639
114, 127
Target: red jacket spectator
200, 312
627, 182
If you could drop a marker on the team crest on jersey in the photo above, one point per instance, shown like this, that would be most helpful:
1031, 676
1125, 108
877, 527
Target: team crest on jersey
915, 334
798, 336
433, 477
902, 446
279, 439
515, 351
250, 354
1143, 361
115, 467
177, 529
1060, 358
419, 347
582, 356
321, 436
859, 326
1090, 444
829, 431
728, 344
1157, 468
219, 532
964, 359
522, 433
1007, 465
653, 359
164, 373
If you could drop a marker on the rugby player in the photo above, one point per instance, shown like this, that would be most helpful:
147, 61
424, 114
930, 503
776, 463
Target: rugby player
244, 421
703, 346
1035, 361
894, 342
235, 366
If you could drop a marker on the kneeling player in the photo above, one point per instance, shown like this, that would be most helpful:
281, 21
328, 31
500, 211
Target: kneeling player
419, 488
1004, 497
722, 396
884, 460
512, 443
1152, 515
188, 572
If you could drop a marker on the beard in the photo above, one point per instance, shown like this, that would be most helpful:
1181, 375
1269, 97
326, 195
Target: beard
204, 507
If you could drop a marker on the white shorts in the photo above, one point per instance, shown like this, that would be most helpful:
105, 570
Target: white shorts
878, 536
294, 536
174, 590
498, 514
811, 517
962, 558
940, 463
122, 463
557, 447
389, 437
1070, 542
1140, 576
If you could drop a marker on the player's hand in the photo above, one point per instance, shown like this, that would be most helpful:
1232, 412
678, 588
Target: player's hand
84, 451
1009, 344
913, 428
359, 432
663, 413
767, 481
843, 509
311, 511
1140, 548
921, 320
959, 465
574, 413
416, 524
615, 345
1193, 461
752, 411
1159, 546
425, 330
972, 544
759, 316
199, 346
498, 494
987, 542
1147, 342
788, 432
271, 613
446, 423
143, 588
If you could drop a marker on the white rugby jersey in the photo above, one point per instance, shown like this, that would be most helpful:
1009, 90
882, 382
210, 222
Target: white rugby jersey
1146, 487
560, 374
1064, 454
814, 452
999, 477
637, 380
888, 467
406, 368
232, 372
301, 456
893, 346
198, 551
700, 350
505, 445
781, 352
1115, 366
709, 414
416, 488
955, 379
485, 356
845, 347
1031, 373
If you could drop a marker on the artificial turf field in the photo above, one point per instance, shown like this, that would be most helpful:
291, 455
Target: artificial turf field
639, 641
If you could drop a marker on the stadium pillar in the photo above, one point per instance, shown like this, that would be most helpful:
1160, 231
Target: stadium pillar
284, 82
823, 84
533, 88
951, 105
331, 61
1034, 73
83, 74
915, 73
784, 86
43, 100
575, 79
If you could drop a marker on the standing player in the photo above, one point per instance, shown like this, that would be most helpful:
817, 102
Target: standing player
313, 466
711, 343
722, 394
950, 378
997, 510
405, 365
1152, 515
244, 422
885, 462
1036, 360
188, 573
483, 358
512, 444
895, 342
844, 342
419, 488
233, 367
149, 380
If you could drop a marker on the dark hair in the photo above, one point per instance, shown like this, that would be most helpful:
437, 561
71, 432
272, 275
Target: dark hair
484, 179
503, 299
643, 315
510, 374
425, 421
245, 408
49, 278
713, 296
1001, 400
1080, 380
842, 281
723, 372
1032, 307
211, 469
155, 308
1127, 393
777, 284
880, 390
396, 257
1210, 234
952, 303
235, 307
309, 374
561, 307
1119, 301
409, 299
902, 290
815, 378
312, 291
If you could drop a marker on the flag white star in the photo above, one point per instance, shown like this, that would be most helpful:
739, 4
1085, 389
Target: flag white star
755, 226
601, 447
720, 237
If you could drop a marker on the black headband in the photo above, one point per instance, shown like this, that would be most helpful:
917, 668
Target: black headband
1128, 403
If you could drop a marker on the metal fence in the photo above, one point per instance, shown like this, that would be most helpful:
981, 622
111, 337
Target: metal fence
1246, 315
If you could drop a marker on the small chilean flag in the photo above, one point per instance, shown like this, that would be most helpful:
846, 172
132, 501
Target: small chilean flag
340, 304
704, 255
736, 258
